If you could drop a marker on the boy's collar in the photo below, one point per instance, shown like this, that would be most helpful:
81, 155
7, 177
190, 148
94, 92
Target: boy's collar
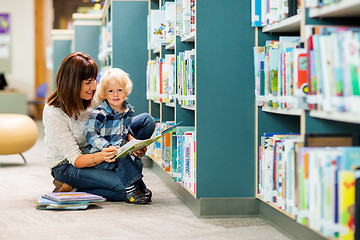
108, 109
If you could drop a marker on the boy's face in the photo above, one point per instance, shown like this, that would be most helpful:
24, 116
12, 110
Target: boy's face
115, 95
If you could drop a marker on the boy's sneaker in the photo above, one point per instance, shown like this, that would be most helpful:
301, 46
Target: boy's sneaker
137, 197
146, 192
143, 190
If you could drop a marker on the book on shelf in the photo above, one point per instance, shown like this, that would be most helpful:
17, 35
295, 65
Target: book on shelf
178, 152
189, 160
259, 57
327, 177
167, 146
161, 79
170, 22
265, 12
184, 157
157, 28
154, 150
256, 13
292, 6
186, 17
276, 180
192, 15
287, 45
300, 85
186, 77
333, 60
161, 87
175, 153
273, 68
357, 203
73, 197
136, 144
179, 18
349, 162
168, 78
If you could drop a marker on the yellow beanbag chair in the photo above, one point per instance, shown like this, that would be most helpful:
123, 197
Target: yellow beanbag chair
18, 133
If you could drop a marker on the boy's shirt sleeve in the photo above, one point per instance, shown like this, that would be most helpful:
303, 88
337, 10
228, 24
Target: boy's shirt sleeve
93, 130
130, 116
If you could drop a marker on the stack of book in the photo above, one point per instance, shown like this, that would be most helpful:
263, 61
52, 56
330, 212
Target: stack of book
67, 201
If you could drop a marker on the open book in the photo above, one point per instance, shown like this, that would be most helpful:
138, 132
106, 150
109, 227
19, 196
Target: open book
136, 144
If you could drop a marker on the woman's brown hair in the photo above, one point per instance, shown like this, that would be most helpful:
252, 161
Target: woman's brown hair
75, 68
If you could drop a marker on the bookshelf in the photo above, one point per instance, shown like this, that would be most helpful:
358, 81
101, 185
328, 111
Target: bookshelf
86, 34
291, 24
123, 45
62, 46
270, 120
337, 9
221, 74
224, 113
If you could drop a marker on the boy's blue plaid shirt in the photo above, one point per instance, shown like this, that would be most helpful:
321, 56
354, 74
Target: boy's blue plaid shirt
108, 127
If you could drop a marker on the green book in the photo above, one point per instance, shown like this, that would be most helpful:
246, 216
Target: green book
136, 144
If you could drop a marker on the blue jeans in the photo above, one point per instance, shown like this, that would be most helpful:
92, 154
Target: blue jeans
98, 181
143, 126
125, 167
104, 182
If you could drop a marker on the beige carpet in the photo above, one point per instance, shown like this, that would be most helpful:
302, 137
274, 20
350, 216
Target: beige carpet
165, 218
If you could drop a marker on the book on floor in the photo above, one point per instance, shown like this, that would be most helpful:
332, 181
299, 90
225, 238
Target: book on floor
73, 197
136, 144
47, 204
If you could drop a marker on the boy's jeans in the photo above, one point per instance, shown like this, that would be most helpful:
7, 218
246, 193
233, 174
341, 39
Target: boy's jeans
125, 167
143, 126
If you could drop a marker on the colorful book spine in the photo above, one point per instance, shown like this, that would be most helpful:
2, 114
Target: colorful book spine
174, 171
180, 158
192, 15
256, 13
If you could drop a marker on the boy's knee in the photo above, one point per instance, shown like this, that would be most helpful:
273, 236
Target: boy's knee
151, 120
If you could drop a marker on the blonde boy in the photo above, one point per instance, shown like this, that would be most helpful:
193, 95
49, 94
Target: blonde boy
109, 124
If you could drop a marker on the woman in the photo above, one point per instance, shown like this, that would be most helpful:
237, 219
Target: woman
64, 118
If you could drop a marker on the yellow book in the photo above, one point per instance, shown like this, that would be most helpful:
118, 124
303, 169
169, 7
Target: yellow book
346, 204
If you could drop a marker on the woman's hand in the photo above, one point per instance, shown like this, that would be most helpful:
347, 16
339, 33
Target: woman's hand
108, 154
139, 153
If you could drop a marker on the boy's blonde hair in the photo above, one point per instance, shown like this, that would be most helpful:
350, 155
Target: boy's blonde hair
116, 75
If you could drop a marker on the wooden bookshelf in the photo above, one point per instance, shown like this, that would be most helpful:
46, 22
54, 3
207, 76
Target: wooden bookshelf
295, 112
345, 8
291, 24
189, 37
170, 46
191, 107
156, 50
172, 104
337, 116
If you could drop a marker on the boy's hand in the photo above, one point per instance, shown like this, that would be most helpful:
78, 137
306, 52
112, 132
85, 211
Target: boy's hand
140, 152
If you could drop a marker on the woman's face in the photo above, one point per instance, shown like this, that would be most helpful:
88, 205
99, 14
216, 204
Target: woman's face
88, 88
